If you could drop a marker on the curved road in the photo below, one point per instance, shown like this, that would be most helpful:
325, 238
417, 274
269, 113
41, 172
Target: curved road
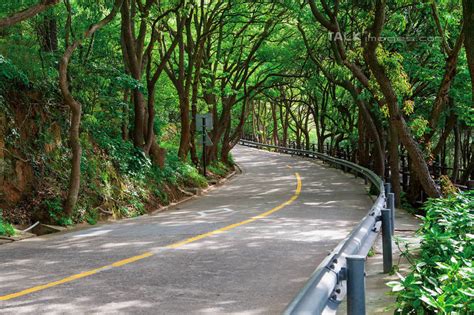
244, 248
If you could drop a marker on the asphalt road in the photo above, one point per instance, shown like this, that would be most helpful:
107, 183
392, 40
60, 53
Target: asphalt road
244, 248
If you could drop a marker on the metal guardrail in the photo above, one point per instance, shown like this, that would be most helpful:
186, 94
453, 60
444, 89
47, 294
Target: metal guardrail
342, 272
437, 168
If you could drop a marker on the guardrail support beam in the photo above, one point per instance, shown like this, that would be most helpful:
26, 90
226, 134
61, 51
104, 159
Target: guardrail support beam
355, 285
387, 240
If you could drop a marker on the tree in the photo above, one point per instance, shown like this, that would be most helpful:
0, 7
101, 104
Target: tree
25, 14
76, 108
468, 13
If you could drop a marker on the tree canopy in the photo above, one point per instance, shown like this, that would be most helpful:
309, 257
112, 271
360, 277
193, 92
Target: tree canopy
90, 86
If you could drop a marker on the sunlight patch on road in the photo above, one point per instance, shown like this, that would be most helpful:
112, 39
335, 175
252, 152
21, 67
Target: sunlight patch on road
149, 254
90, 234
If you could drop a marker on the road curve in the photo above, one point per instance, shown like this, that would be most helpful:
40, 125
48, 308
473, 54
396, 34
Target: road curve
244, 248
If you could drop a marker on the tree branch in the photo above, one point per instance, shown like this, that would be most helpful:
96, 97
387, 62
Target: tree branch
27, 13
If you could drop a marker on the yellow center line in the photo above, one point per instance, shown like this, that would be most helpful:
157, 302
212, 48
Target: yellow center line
149, 254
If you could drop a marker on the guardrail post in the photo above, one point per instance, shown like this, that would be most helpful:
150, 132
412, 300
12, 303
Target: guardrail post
386, 170
388, 188
391, 206
355, 285
386, 240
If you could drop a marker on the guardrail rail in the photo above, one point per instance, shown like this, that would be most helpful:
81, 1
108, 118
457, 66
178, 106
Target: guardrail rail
342, 273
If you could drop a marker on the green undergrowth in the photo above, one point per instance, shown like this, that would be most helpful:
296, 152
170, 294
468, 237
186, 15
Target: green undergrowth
219, 168
441, 279
117, 179
6, 229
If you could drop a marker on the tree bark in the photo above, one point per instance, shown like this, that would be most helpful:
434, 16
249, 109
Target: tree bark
185, 127
75, 107
275, 124
457, 153
48, 34
394, 165
468, 171
132, 57
468, 14
396, 120
442, 96
27, 13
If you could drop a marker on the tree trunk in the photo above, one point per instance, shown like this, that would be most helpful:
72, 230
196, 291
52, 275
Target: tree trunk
75, 107
397, 122
457, 153
275, 125
27, 13
75, 143
370, 127
48, 34
442, 97
414, 186
185, 127
126, 98
468, 171
226, 146
284, 123
220, 124
134, 65
363, 144
468, 14
395, 166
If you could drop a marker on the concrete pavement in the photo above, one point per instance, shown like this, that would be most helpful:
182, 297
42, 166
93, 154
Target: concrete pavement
173, 262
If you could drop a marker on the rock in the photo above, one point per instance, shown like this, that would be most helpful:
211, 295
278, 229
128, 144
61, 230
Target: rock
194, 190
42, 229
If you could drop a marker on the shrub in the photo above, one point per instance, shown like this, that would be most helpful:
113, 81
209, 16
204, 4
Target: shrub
442, 277
56, 212
178, 172
6, 229
92, 217
130, 161
10, 73
218, 168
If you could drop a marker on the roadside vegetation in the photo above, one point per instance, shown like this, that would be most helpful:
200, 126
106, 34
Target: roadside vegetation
6, 229
441, 279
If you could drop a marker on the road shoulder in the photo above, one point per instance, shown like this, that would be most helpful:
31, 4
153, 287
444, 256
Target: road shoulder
378, 298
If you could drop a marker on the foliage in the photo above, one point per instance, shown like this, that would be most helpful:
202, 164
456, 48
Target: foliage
129, 160
9, 72
178, 172
6, 229
55, 210
219, 168
442, 277
419, 126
